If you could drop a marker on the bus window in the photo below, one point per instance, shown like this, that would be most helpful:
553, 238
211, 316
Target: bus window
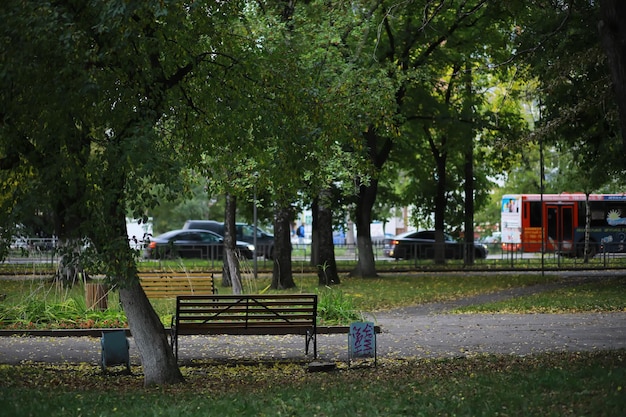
567, 222
552, 224
535, 214
598, 214
582, 217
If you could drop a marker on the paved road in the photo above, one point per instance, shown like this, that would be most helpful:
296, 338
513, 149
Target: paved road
414, 332
439, 335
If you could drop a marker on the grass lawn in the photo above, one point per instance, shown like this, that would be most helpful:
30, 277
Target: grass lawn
37, 303
563, 384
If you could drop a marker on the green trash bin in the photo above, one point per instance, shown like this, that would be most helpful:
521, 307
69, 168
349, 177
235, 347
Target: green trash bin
114, 349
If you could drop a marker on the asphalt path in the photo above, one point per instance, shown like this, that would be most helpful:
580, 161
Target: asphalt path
425, 331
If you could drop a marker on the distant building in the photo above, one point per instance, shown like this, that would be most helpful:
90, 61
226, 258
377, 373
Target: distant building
138, 232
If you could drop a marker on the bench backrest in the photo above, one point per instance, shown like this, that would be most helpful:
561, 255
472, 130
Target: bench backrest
171, 285
247, 311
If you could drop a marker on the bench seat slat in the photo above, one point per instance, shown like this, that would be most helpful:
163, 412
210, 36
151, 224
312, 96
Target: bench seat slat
267, 315
250, 331
259, 324
233, 311
234, 302
271, 297
242, 322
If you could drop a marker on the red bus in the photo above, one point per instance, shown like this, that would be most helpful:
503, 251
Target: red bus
556, 223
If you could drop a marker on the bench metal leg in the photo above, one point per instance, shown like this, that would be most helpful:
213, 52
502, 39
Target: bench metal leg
174, 342
308, 338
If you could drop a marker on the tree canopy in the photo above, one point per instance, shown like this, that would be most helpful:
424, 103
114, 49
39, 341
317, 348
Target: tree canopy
109, 108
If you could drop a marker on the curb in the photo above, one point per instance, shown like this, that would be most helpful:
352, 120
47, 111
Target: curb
97, 332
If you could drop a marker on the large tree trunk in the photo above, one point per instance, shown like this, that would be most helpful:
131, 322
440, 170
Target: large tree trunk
378, 152
440, 204
157, 359
282, 275
469, 206
68, 215
326, 266
469, 254
366, 267
315, 239
613, 33
231, 272
110, 238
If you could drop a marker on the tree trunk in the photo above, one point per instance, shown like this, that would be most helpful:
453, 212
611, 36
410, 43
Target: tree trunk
349, 232
613, 34
315, 239
469, 254
440, 157
469, 206
282, 275
231, 272
69, 269
378, 152
68, 214
111, 240
158, 361
157, 358
440, 209
326, 266
366, 266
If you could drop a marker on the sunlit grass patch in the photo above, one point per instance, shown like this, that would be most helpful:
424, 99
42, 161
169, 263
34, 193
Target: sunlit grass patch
400, 290
42, 304
603, 295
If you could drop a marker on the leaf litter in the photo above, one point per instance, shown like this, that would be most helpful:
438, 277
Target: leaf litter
212, 377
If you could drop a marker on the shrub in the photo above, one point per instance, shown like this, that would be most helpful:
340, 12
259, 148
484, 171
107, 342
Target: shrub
335, 308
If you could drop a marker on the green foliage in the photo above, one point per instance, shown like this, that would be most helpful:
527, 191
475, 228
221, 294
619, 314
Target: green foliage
282, 99
577, 112
451, 102
114, 129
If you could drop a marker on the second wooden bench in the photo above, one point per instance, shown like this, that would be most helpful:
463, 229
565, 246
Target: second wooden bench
173, 284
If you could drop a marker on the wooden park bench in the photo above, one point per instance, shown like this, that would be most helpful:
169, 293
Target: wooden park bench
173, 284
246, 314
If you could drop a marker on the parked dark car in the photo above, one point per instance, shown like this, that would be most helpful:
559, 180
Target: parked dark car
245, 233
421, 245
192, 243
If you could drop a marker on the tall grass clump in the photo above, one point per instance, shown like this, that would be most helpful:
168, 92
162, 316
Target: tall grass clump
47, 306
335, 308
